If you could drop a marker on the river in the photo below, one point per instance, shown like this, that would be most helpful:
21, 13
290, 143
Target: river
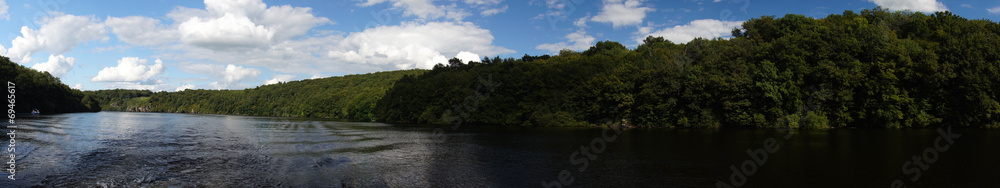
118, 149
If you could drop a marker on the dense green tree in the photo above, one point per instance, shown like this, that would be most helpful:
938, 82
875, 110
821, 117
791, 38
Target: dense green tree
40, 90
350, 97
876, 68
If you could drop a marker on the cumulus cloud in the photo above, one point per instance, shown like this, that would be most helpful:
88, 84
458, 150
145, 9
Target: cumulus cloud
228, 24
240, 7
229, 31
57, 35
249, 32
132, 70
706, 28
414, 45
578, 41
139, 30
467, 57
914, 5
279, 78
57, 65
184, 87
233, 76
230, 76
78, 86
622, 12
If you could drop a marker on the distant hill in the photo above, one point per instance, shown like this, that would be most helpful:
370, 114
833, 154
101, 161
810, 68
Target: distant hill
40, 90
344, 97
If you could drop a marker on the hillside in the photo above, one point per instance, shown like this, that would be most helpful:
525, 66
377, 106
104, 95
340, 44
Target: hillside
41, 90
348, 97
874, 69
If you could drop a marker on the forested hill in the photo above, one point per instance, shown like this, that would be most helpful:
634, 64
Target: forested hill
40, 90
347, 97
875, 68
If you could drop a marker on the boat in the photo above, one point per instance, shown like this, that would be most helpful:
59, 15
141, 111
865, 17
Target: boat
34, 111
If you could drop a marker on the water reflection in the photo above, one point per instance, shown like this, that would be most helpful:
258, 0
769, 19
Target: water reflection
150, 149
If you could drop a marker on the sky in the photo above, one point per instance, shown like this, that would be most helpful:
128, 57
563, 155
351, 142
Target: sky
173, 45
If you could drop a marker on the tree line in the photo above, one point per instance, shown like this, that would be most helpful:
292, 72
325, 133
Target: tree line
40, 90
876, 68
350, 97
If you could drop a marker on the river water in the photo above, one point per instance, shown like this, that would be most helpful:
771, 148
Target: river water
116, 149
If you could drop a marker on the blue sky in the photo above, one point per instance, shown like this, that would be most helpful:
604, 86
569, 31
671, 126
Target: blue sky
234, 44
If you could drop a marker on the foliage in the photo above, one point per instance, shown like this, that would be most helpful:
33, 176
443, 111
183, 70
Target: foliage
40, 90
121, 99
875, 68
350, 97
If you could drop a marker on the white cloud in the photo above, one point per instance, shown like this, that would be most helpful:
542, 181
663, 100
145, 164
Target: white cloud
289, 22
578, 41
57, 35
248, 32
423, 9
3, 10
467, 57
57, 65
182, 14
914, 5
139, 30
494, 11
706, 28
994, 10
185, 87
78, 86
414, 45
227, 77
229, 31
966, 5
131, 69
279, 78
487, 7
234, 75
229, 24
582, 22
238, 7
622, 12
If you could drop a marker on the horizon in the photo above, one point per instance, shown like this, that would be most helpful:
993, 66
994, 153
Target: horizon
171, 46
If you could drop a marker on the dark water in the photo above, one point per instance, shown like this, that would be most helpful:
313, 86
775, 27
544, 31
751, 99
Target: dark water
177, 150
